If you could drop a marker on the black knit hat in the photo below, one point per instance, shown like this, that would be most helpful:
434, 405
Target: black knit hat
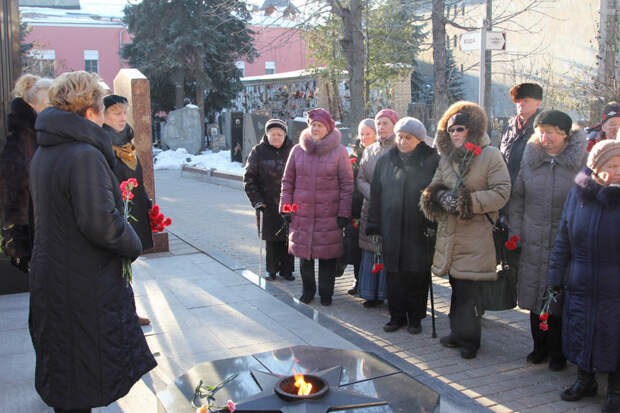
524, 90
555, 118
458, 118
276, 123
112, 100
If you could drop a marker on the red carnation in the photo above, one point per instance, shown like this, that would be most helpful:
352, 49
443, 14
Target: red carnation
477, 150
124, 186
469, 146
286, 208
167, 222
133, 181
543, 326
154, 211
515, 238
353, 160
376, 269
127, 195
544, 317
355, 222
294, 208
510, 245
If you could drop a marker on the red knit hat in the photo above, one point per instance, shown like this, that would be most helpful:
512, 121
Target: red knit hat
323, 116
387, 113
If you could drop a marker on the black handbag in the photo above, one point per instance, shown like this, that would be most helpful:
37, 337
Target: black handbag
500, 294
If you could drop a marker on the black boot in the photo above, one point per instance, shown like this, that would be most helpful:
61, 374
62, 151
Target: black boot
354, 290
584, 386
611, 404
539, 354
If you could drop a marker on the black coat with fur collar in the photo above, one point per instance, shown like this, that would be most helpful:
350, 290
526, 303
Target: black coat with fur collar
16, 219
394, 213
585, 260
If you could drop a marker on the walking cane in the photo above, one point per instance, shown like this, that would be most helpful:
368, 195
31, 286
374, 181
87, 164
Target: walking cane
259, 219
429, 250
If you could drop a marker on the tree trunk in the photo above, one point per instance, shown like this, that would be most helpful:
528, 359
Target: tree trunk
178, 78
352, 43
488, 83
200, 102
440, 79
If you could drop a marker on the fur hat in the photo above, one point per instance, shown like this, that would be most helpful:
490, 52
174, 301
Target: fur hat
611, 110
601, 153
276, 123
524, 90
112, 100
323, 116
555, 118
387, 113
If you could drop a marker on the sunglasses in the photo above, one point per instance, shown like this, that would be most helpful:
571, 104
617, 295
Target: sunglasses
457, 129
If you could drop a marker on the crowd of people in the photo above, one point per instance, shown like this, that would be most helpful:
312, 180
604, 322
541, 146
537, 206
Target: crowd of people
401, 207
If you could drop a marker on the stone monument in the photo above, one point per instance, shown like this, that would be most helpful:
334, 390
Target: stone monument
133, 85
182, 130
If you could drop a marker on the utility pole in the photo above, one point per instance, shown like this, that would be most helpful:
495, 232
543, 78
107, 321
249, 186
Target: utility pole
483, 50
488, 72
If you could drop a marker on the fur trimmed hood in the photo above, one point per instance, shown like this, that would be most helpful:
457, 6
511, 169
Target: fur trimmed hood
325, 145
477, 133
572, 157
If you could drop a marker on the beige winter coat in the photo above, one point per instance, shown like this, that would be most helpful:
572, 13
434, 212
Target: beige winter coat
364, 179
464, 247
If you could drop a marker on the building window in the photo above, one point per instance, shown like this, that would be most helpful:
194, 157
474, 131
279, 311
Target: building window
241, 66
91, 61
270, 68
41, 62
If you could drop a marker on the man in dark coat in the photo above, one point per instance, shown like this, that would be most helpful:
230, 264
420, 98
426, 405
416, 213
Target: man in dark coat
527, 97
400, 176
127, 166
262, 181
89, 347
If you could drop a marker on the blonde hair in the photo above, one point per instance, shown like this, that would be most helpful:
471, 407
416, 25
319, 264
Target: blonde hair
24, 84
76, 92
31, 94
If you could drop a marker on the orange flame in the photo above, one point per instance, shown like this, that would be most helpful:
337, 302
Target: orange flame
304, 387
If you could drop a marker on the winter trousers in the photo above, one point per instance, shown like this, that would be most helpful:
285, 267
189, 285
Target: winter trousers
278, 258
465, 313
550, 341
407, 294
327, 271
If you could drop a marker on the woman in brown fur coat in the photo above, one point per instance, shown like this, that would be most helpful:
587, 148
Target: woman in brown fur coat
470, 185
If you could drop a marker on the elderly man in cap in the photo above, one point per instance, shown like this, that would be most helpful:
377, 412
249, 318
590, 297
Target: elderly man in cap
262, 181
609, 126
527, 97
372, 287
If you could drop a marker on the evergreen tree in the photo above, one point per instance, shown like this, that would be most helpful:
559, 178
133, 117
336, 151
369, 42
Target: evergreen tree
190, 46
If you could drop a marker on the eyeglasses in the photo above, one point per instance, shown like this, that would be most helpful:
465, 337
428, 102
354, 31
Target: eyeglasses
457, 129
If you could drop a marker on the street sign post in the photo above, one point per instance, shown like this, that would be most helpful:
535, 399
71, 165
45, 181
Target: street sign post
471, 41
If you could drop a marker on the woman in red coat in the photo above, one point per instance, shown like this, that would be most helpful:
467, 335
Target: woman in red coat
319, 179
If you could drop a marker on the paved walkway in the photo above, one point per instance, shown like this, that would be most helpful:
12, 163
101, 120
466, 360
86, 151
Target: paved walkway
218, 220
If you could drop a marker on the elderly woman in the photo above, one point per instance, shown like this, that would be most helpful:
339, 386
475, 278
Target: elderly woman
16, 219
128, 166
366, 136
399, 179
318, 178
89, 347
262, 181
470, 186
552, 158
373, 286
584, 262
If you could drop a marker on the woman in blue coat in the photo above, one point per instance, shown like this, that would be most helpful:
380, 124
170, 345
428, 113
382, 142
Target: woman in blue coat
585, 262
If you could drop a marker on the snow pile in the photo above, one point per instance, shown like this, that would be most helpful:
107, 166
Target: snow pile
219, 161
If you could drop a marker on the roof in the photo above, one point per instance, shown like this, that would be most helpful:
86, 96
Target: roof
57, 4
92, 13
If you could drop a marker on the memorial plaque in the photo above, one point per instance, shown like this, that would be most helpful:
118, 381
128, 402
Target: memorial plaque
182, 130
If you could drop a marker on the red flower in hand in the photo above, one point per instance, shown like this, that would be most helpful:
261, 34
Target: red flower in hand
355, 222
469, 146
133, 181
544, 317
124, 185
353, 160
543, 326
286, 208
127, 195
294, 208
510, 245
376, 269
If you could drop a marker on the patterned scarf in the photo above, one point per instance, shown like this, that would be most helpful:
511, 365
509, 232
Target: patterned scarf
126, 153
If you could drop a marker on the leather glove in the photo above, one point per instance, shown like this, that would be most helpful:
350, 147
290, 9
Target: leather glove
286, 218
259, 205
448, 201
342, 222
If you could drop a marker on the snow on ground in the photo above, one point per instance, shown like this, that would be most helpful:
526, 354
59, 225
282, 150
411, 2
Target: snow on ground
175, 159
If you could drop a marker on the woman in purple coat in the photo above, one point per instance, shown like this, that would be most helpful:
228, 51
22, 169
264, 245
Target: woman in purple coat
319, 179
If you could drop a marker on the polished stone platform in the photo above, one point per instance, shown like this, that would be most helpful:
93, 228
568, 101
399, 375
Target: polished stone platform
361, 373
